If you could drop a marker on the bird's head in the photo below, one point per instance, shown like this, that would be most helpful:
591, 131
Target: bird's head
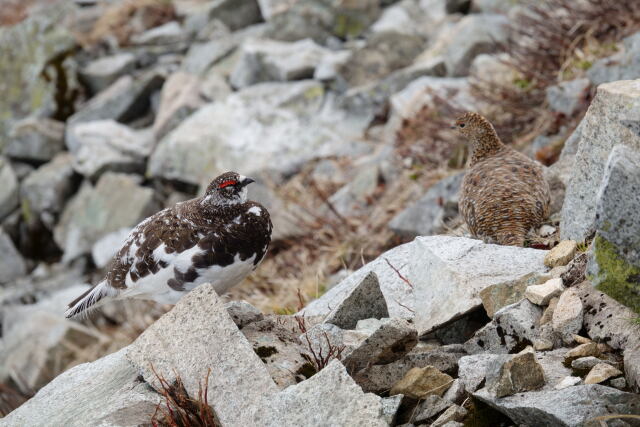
227, 189
473, 126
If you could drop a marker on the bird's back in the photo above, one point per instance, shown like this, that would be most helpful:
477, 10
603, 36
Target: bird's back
503, 196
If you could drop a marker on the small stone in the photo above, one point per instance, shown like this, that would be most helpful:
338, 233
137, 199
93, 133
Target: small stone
243, 313
365, 301
421, 382
520, 373
568, 97
619, 383
581, 340
546, 230
12, 264
9, 188
542, 294
500, 295
35, 139
392, 340
456, 392
587, 363
583, 350
390, 406
430, 407
568, 382
455, 413
100, 73
561, 254
568, 315
547, 315
600, 373
542, 344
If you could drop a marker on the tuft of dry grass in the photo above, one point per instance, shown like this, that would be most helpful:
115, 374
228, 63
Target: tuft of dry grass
178, 409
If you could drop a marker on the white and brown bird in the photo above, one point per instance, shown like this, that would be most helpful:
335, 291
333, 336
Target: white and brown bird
504, 193
218, 238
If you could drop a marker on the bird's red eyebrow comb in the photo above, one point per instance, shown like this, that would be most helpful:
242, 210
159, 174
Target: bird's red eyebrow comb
228, 183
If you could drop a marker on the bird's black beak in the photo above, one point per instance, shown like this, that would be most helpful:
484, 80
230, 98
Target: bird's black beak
246, 181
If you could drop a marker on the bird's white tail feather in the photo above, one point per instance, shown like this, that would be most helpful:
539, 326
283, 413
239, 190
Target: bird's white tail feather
92, 299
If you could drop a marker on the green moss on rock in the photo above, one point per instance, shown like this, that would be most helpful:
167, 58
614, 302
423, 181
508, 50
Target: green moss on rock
616, 277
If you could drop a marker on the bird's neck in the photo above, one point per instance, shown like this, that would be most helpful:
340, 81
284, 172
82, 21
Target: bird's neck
485, 145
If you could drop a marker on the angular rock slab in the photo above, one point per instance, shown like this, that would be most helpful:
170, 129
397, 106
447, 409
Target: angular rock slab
106, 392
329, 398
198, 337
437, 277
572, 406
613, 118
366, 301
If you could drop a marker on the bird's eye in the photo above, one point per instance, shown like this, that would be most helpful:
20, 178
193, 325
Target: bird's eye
461, 125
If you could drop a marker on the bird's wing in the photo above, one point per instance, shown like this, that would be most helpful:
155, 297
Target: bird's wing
154, 244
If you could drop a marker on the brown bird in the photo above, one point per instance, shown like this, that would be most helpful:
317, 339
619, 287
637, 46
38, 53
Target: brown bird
504, 193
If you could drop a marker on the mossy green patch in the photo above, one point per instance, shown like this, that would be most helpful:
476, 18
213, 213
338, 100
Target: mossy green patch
616, 277
314, 92
347, 26
25, 208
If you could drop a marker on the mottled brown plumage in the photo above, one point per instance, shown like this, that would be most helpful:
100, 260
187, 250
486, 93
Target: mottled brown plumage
504, 192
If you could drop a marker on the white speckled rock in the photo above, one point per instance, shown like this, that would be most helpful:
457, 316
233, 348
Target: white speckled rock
613, 118
198, 337
567, 315
329, 398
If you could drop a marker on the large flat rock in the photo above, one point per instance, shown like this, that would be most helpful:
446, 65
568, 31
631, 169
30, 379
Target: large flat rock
438, 278
196, 339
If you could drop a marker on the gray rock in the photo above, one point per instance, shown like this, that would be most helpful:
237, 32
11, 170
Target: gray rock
473, 35
500, 295
572, 406
472, 369
106, 145
428, 215
512, 328
270, 8
235, 14
252, 131
568, 97
323, 21
430, 408
102, 393
102, 72
355, 196
96, 211
165, 34
493, 6
606, 320
619, 383
201, 56
263, 60
568, 315
337, 401
35, 139
518, 374
179, 98
195, 340
441, 274
31, 82
124, 100
365, 301
12, 264
39, 342
44, 191
279, 348
604, 127
586, 363
624, 65
617, 201
379, 378
9, 189
456, 392
390, 406
242, 313
568, 382
107, 246
388, 343
454, 414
